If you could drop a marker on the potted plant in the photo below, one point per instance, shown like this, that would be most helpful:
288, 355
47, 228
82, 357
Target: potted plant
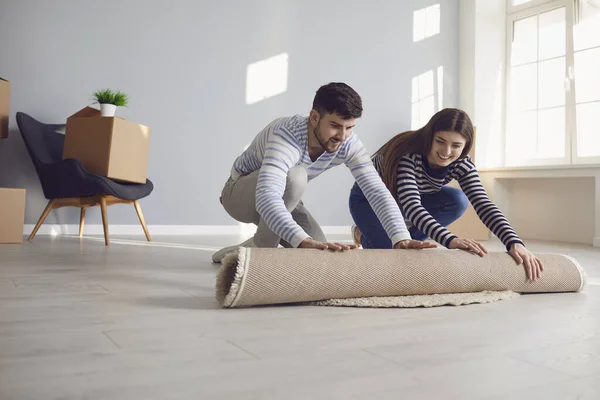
109, 100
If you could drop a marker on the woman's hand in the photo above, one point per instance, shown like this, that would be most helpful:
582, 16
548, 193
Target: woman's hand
414, 244
533, 265
309, 243
468, 245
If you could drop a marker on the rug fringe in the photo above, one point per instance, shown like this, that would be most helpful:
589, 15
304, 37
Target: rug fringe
424, 300
230, 276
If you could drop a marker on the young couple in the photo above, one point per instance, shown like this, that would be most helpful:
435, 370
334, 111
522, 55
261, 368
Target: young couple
400, 197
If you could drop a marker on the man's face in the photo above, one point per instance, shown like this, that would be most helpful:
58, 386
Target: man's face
331, 130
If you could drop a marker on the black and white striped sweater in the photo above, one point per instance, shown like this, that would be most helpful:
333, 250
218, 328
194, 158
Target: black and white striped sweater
414, 178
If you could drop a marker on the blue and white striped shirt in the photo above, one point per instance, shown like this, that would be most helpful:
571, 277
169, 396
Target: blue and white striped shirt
414, 178
282, 145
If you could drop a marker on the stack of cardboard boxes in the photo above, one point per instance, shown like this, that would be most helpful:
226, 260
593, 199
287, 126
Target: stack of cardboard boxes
12, 215
12, 200
109, 146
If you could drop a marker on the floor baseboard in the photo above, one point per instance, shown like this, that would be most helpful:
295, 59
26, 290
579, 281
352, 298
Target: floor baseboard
167, 230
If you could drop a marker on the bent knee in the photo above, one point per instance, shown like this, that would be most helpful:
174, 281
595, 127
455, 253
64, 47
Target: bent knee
460, 200
297, 179
297, 176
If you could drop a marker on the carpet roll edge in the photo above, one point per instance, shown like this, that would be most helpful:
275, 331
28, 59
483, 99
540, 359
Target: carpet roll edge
580, 269
231, 277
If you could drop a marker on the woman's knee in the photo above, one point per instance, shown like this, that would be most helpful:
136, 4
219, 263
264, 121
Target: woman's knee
373, 235
375, 242
458, 198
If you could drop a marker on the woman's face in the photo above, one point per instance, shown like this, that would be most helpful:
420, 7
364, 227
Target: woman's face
447, 147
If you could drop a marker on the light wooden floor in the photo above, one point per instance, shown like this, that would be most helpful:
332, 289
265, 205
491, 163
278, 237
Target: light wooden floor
137, 321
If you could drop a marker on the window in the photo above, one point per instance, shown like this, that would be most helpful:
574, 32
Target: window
553, 83
516, 5
586, 74
519, 2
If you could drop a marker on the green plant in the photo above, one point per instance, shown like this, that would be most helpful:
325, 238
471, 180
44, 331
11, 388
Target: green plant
108, 96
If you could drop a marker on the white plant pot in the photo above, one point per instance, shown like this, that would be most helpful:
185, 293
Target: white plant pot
108, 110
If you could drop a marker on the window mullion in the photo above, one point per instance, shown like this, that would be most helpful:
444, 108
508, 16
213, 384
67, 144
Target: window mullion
571, 108
537, 94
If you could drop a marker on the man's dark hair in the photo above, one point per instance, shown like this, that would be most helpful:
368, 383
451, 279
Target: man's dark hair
338, 98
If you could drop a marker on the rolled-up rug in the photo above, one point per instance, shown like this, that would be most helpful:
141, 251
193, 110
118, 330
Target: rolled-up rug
260, 276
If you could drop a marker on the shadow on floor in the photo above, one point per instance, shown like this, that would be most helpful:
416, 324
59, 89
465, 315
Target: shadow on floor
181, 302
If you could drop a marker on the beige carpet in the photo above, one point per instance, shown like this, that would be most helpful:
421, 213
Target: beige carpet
255, 276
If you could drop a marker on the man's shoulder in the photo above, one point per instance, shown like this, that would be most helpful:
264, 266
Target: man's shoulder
293, 127
352, 143
291, 123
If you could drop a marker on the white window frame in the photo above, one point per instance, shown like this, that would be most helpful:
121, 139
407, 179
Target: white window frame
535, 7
575, 159
511, 19
533, 3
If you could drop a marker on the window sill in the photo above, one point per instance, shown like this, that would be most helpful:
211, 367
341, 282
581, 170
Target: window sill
540, 167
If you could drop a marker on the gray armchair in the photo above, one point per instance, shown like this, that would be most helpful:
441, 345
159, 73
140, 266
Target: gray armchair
67, 183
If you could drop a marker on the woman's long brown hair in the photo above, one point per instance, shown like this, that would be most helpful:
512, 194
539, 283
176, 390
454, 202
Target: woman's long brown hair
420, 141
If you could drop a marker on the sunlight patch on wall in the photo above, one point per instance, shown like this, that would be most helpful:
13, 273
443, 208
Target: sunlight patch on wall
426, 22
423, 102
266, 78
427, 96
440, 87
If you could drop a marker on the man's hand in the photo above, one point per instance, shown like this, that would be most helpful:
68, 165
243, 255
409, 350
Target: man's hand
533, 265
414, 244
468, 245
309, 243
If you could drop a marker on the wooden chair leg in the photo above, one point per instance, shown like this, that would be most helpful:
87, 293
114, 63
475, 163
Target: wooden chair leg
138, 209
104, 219
81, 221
49, 207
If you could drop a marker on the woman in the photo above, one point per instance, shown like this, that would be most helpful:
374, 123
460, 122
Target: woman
417, 166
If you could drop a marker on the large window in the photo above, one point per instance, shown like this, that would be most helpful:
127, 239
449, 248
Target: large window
553, 82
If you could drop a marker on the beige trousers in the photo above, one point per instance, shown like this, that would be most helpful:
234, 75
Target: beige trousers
239, 200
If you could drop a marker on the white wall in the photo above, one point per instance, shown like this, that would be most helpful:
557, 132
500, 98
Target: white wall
466, 48
184, 63
482, 55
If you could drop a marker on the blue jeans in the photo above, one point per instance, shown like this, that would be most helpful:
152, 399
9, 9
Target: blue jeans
445, 206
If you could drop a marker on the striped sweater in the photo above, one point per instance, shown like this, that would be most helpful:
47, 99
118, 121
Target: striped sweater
415, 177
282, 145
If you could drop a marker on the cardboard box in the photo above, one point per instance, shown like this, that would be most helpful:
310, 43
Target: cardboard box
12, 215
4, 107
108, 146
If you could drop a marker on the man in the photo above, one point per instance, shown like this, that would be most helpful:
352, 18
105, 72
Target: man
269, 178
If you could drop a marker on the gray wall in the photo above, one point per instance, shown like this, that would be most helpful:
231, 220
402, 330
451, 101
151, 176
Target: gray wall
183, 63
